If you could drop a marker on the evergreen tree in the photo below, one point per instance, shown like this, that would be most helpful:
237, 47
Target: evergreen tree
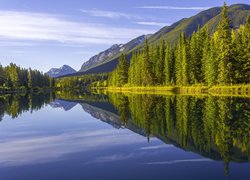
148, 76
241, 47
205, 53
30, 79
225, 54
122, 70
178, 62
169, 66
157, 63
160, 63
193, 58
184, 64
131, 73
181, 62
2, 80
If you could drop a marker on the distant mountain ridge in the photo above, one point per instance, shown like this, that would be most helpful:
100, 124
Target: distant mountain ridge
62, 71
112, 52
102, 56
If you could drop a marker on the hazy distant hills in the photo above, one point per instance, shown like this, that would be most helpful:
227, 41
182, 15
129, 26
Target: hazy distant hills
62, 71
107, 60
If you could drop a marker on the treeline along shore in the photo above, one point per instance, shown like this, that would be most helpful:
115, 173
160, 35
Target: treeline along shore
14, 79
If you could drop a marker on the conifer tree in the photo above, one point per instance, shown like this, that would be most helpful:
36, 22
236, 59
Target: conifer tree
178, 63
122, 70
148, 76
131, 73
1, 75
160, 63
181, 62
225, 48
205, 53
193, 57
168, 67
241, 47
157, 62
211, 72
184, 65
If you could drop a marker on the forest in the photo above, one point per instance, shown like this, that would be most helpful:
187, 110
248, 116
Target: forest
14, 78
81, 82
221, 58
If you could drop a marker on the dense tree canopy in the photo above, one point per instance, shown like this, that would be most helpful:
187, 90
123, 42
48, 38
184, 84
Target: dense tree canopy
13, 77
81, 81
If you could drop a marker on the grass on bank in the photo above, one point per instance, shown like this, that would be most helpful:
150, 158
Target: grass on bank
229, 90
6, 90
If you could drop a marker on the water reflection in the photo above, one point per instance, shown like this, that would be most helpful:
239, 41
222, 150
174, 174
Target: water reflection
214, 126
15, 105
217, 128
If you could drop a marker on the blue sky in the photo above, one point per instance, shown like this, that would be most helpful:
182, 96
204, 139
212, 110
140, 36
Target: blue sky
50, 33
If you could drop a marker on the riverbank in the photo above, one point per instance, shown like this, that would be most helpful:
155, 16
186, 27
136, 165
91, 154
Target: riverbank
232, 90
24, 90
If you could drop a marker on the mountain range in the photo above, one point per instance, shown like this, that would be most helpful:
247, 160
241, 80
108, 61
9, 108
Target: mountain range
112, 52
107, 60
64, 70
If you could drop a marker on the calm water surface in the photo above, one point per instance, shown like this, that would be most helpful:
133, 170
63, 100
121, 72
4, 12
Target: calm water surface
117, 136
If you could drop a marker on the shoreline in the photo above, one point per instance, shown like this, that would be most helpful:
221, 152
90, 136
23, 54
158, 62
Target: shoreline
21, 91
231, 90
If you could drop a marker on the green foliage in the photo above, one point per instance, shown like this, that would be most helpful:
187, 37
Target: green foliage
225, 54
159, 63
241, 45
122, 70
209, 60
197, 43
14, 78
119, 76
81, 82
147, 66
169, 66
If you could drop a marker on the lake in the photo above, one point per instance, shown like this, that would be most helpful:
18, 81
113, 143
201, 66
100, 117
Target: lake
124, 136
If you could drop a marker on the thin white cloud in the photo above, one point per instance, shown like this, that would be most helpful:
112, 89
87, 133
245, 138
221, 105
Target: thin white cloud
8, 43
46, 27
18, 52
157, 147
112, 158
33, 149
174, 7
108, 14
179, 161
153, 24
